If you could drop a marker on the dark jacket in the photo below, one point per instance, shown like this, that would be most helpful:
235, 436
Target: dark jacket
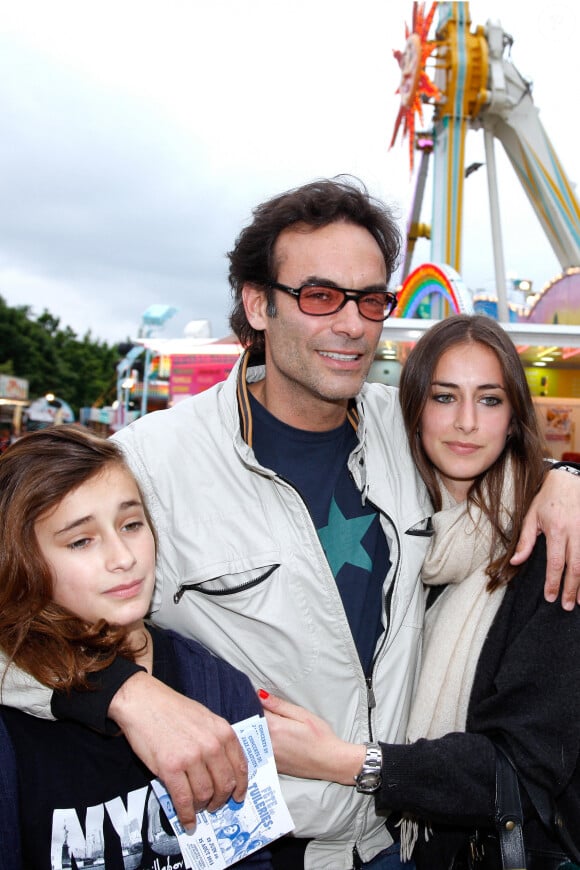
48, 752
525, 697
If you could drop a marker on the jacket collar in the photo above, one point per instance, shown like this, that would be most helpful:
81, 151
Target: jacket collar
243, 396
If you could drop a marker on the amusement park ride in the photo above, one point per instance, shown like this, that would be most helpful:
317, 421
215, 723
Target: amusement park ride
477, 87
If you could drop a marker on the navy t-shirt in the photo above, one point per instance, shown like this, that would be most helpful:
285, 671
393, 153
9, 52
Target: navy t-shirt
316, 464
85, 798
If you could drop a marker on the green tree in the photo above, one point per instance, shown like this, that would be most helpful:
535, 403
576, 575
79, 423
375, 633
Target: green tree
52, 359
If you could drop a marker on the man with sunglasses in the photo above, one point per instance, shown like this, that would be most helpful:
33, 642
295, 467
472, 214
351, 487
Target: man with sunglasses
292, 524
292, 495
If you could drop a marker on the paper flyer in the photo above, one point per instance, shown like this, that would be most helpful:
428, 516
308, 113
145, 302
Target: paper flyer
236, 830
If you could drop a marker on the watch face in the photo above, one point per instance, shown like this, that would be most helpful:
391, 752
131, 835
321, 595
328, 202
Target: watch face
369, 779
368, 782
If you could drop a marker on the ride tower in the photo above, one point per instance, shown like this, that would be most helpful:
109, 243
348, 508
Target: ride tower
476, 86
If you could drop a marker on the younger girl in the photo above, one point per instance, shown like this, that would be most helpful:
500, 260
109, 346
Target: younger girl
501, 666
77, 570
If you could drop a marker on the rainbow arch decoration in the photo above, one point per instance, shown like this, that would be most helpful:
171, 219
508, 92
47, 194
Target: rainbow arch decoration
432, 283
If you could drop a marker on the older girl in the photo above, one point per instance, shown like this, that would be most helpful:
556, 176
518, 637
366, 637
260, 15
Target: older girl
77, 570
501, 667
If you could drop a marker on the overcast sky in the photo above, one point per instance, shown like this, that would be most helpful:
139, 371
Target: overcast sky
136, 137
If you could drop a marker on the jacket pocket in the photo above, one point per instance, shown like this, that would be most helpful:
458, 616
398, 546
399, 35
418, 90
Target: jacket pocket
260, 613
228, 584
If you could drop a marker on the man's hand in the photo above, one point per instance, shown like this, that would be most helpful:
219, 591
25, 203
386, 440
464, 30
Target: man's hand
555, 511
194, 752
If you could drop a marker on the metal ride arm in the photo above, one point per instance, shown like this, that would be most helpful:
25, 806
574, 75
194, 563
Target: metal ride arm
511, 116
414, 228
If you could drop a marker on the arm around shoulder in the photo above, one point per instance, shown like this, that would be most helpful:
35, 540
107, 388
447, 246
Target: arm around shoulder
195, 752
20, 690
556, 512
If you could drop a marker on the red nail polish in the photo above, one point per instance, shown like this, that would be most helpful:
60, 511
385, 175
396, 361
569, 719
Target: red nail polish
262, 693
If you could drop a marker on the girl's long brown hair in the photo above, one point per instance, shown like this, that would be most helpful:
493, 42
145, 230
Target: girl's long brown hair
525, 446
46, 640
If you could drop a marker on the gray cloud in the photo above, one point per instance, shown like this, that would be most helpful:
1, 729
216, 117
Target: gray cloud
131, 156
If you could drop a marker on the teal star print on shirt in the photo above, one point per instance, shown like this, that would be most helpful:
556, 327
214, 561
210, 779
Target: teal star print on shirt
342, 540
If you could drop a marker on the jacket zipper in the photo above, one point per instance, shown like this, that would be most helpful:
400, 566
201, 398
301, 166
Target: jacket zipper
194, 587
371, 699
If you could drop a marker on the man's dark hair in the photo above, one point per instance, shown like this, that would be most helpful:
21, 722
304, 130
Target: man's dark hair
316, 204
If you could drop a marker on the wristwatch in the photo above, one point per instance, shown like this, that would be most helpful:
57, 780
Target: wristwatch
369, 778
571, 469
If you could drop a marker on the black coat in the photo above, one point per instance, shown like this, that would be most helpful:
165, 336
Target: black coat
526, 697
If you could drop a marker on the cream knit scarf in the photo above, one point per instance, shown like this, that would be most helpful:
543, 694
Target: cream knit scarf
455, 626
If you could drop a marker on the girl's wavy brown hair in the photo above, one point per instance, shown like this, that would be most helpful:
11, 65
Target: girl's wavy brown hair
525, 446
57, 648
